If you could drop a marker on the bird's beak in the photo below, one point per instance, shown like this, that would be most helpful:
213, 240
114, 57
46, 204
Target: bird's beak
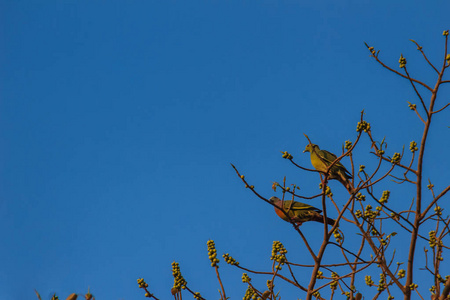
304, 151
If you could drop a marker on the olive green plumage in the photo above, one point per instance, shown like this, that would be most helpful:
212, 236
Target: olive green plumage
298, 212
321, 159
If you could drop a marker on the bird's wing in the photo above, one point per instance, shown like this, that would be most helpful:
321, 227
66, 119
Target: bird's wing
328, 157
299, 206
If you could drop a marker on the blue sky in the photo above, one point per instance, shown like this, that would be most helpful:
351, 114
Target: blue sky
120, 120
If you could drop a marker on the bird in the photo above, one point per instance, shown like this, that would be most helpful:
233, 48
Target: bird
298, 212
321, 159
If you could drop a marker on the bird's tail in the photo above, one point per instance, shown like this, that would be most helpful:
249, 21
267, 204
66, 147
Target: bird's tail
346, 182
319, 218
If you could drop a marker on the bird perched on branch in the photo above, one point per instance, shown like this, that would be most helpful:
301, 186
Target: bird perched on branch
321, 159
298, 212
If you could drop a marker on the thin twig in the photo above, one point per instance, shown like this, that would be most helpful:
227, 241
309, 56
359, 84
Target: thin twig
420, 49
434, 112
220, 281
417, 93
400, 74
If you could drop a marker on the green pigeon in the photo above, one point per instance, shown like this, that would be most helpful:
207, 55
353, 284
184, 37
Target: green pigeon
321, 159
298, 212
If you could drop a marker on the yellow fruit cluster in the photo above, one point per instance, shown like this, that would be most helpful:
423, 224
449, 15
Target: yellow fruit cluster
142, 283
413, 147
327, 190
402, 61
360, 197
245, 278
433, 241
250, 294
348, 145
337, 235
287, 155
384, 198
278, 253
334, 275
230, 260
363, 125
442, 280
319, 275
178, 282
395, 216
368, 280
396, 158
411, 106
438, 210
212, 253
369, 213
432, 289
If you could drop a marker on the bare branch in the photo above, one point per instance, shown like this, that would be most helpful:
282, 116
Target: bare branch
434, 201
400, 74
420, 117
277, 275
224, 297
435, 112
420, 49
446, 290
418, 94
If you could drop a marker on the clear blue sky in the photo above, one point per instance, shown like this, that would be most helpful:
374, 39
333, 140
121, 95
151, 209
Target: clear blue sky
119, 121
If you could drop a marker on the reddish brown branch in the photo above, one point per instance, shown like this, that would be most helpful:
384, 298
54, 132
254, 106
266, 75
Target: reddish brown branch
434, 112
418, 94
400, 74
420, 49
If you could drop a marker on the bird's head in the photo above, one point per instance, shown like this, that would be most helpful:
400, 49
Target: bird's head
274, 199
310, 147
